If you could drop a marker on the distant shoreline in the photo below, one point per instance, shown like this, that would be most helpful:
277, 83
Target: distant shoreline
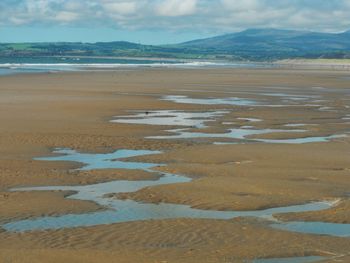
329, 64
56, 65
71, 66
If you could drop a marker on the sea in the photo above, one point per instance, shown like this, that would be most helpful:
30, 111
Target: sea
16, 65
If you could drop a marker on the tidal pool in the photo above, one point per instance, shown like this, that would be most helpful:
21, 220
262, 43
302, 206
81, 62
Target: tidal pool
128, 210
237, 134
93, 161
171, 117
198, 120
309, 259
244, 132
250, 119
286, 100
293, 97
296, 125
211, 101
319, 228
303, 140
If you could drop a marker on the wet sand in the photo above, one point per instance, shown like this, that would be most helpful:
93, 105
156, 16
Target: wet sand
184, 240
251, 177
72, 110
16, 206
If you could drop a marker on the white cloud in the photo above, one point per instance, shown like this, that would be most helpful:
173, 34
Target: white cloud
241, 5
197, 15
120, 8
66, 16
176, 7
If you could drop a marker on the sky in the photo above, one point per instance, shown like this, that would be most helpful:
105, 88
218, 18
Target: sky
162, 21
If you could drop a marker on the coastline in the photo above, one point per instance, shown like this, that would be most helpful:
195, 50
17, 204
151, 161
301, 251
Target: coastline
164, 63
316, 64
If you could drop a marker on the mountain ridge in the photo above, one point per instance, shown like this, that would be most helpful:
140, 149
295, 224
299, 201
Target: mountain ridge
251, 44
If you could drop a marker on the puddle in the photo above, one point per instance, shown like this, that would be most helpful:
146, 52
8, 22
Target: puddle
198, 120
228, 123
94, 161
327, 109
299, 124
171, 117
226, 143
319, 228
128, 210
250, 119
236, 101
244, 132
295, 97
296, 125
211, 101
309, 259
238, 134
303, 140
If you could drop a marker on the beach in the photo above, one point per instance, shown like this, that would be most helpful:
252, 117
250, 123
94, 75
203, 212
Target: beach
293, 149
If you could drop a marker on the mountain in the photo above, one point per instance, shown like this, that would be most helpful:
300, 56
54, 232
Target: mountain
275, 43
251, 44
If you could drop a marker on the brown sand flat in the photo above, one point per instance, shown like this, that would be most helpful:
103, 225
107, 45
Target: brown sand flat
24, 205
338, 214
39, 112
244, 177
17, 173
182, 240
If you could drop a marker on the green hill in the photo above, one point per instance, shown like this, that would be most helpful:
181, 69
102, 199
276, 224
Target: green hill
252, 44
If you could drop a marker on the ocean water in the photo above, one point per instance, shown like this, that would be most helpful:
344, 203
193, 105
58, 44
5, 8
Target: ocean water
10, 71
15, 65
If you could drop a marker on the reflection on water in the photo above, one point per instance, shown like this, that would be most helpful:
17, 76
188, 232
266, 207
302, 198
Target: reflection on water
171, 117
303, 140
320, 228
93, 161
244, 133
211, 101
250, 119
309, 259
284, 100
198, 120
296, 125
128, 210
238, 134
293, 97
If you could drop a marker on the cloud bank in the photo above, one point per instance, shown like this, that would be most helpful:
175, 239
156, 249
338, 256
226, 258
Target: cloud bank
197, 15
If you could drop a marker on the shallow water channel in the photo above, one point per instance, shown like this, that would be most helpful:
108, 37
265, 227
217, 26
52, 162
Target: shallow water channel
199, 120
128, 210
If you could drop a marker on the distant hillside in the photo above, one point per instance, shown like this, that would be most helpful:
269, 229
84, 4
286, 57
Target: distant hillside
252, 44
275, 43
